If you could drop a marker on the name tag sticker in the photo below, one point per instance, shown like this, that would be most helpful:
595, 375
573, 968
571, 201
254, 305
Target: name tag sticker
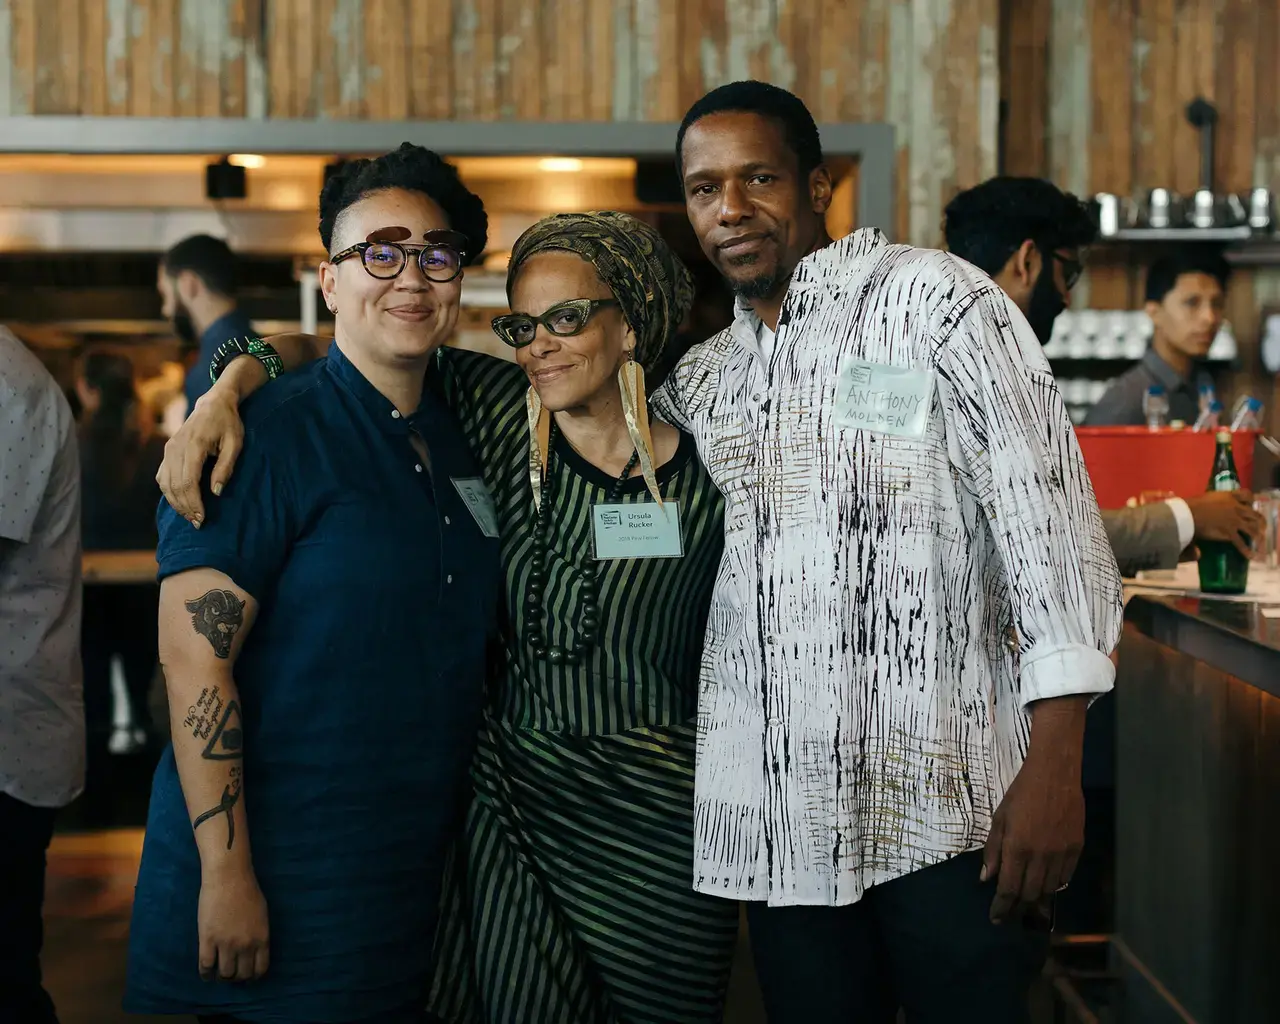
475, 495
884, 399
643, 530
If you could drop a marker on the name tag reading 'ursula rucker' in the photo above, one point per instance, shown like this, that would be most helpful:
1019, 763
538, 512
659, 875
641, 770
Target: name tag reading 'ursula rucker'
884, 399
643, 530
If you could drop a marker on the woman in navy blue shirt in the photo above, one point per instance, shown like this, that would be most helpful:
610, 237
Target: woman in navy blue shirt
323, 638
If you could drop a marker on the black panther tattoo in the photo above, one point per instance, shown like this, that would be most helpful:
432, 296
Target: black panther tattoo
217, 616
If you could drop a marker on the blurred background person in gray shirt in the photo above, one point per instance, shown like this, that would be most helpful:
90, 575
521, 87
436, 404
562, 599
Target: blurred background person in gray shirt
1186, 295
42, 736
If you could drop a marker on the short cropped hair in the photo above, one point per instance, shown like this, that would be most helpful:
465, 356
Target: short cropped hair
986, 224
413, 169
1163, 274
765, 100
209, 258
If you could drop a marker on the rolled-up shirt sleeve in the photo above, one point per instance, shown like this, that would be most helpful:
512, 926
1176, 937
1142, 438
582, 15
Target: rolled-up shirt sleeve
247, 531
1011, 441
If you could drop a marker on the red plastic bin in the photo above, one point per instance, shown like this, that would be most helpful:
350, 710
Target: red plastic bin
1125, 461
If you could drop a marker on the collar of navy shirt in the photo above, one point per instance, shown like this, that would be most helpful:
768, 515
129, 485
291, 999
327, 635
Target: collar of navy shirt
379, 407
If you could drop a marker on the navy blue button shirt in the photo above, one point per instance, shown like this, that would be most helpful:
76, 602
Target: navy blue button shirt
234, 325
361, 685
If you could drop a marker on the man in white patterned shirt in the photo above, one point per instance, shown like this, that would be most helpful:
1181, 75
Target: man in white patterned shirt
916, 605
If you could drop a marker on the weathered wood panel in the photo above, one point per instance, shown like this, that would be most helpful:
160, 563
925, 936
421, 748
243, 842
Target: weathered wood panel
120, 18
1110, 164
1024, 84
24, 60
93, 61
282, 39
928, 66
431, 64
1117, 82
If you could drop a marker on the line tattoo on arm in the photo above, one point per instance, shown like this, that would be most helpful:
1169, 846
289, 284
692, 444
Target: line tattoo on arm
230, 796
218, 723
217, 616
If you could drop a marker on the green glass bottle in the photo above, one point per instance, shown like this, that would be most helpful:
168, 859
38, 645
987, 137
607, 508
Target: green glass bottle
1223, 570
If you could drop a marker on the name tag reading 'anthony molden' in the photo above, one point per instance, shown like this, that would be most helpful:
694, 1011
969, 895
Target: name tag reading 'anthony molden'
643, 530
884, 399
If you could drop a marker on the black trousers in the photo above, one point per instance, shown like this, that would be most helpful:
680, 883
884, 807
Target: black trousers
923, 942
25, 832
123, 620
118, 619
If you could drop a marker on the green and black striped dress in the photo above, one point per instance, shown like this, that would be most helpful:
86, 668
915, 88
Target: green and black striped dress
570, 900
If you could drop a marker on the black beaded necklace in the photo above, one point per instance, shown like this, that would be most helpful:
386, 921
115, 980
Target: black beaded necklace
535, 589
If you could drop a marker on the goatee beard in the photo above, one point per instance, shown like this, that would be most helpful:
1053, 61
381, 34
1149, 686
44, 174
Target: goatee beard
763, 286
184, 328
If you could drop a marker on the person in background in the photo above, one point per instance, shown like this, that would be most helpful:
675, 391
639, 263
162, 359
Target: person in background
1185, 297
41, 701
915, 607
323, 636
197, 281
119, 457
1027, 234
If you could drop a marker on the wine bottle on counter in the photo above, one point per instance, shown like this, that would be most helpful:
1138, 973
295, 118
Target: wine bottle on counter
1223, 570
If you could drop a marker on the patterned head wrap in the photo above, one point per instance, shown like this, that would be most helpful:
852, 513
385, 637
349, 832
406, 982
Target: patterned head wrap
653, 287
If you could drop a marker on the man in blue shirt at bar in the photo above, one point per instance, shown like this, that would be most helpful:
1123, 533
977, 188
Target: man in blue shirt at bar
197, 281
323, 636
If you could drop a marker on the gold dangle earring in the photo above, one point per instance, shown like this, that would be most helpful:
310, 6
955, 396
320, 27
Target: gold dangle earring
539, 442
635, 407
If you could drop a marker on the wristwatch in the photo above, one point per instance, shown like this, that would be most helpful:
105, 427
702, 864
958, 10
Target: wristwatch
255, 347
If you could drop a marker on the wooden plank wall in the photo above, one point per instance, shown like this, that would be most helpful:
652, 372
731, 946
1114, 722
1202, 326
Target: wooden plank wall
1095, 93
928, 66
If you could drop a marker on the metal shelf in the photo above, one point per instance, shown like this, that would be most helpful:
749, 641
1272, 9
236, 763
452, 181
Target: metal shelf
1262, 253
1243, 247
1126, 360
1242, 233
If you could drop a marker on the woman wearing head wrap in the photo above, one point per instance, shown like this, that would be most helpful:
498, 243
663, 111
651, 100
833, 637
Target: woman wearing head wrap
571, 897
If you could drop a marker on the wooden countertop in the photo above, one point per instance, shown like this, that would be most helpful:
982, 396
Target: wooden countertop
1234, 637
118, 567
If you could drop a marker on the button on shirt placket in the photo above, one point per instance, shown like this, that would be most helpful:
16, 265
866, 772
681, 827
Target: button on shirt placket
768, 431
420, 455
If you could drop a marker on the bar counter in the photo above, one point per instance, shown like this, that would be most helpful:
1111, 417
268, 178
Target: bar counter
118, 567
1198, 812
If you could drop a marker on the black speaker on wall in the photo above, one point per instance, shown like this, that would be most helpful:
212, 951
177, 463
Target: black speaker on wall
657, 182
225, 180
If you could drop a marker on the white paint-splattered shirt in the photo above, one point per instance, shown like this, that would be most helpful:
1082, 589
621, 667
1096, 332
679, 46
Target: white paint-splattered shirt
41, 699
887, 607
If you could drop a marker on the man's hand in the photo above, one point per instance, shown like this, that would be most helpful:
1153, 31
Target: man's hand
1037, 832
233, 930
1227, 516
213, 428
